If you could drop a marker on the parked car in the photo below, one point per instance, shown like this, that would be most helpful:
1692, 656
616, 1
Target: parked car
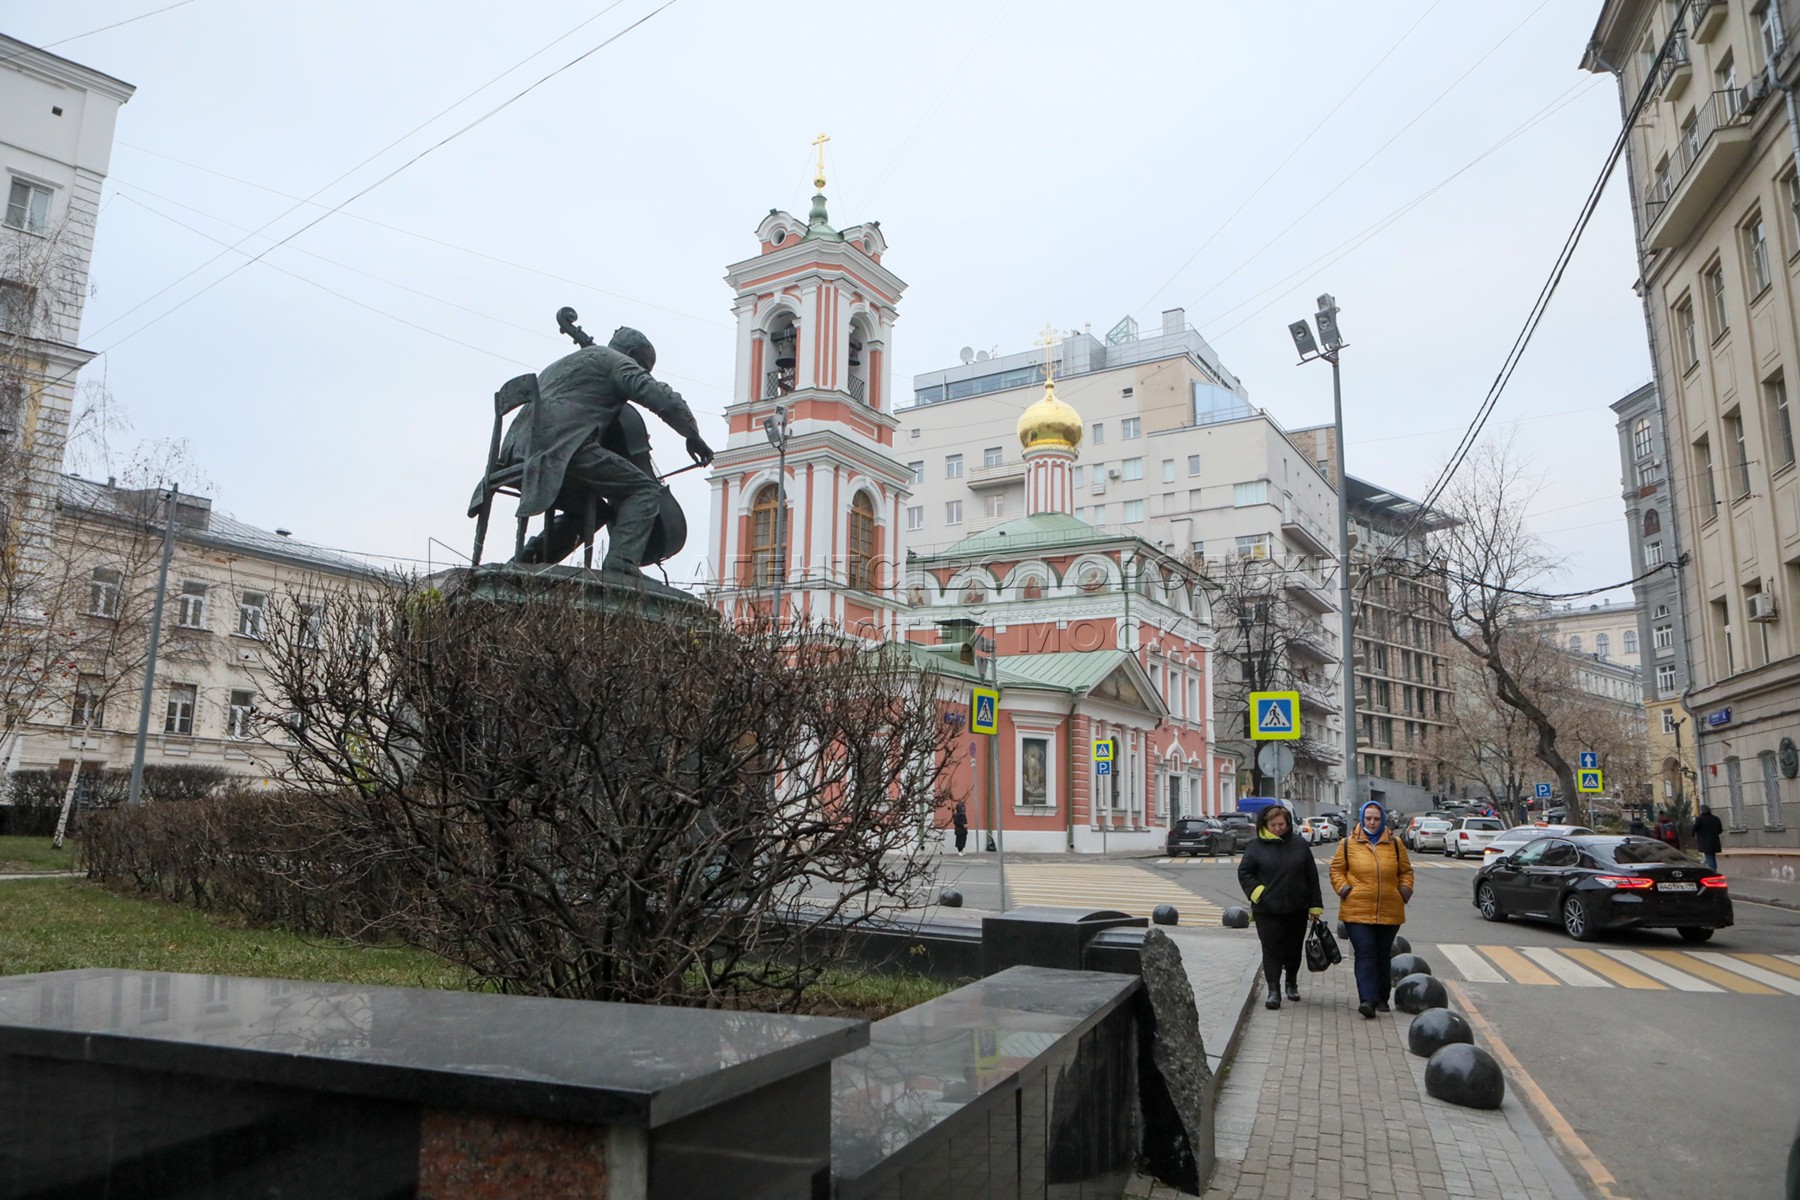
1240, 827
1430, 833
1197, 835
1471, 835
1557, 815
1409, 829
1318, 830
1521, 835
1337, 818
1590, 884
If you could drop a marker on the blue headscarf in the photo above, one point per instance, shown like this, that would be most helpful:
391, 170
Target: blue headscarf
1363, 811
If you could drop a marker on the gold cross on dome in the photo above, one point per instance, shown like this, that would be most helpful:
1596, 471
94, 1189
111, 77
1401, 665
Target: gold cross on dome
819, 179
1047, 339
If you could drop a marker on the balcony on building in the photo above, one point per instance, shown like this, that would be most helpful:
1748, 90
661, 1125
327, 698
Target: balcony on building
981, 478
1707, 18
1707, 157
1677, 69
1307, 591
1306, 534
1319, 697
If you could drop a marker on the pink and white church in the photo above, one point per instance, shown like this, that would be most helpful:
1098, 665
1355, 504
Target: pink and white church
1096, 635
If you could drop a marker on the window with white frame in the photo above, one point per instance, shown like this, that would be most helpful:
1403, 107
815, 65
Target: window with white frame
1775, 403
1036, 762
993, 456
1575, 643
915, 517
953, 512
1790, 190
1130, 428
1771, 781
1246, 494
1665, 680
1134, 511
1076, 475
103, 592
1602, 645
1193, 464
1740, 454
1631, 642
1685, 338
1653, 553
1668, 721
1642, 444
1097, 435
28, 207
1756, 255
312, 624
996, 504
1709, 483
1168, 470
1734, 791
1713, 284
1663, 637
178, 718
1255, 545
1131, 468
1099, 514
1769, 37
953, 466
918, 471
240, 715
252, 612
190, 609
87, 708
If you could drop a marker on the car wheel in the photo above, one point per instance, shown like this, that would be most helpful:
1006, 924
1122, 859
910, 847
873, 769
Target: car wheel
1575, 920
1694, 933
1489, 904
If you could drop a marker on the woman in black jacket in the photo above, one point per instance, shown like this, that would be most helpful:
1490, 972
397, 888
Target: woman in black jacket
1279, 875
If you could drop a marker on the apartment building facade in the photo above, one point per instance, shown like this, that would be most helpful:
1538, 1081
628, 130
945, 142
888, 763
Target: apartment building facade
55, 149
1707, 93
1174, 454
211, 703
1661, 637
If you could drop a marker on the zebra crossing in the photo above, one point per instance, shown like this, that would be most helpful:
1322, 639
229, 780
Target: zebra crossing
1126, 887
1710, 971
1223, 860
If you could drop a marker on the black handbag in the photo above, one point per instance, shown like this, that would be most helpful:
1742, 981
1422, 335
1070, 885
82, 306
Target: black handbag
1321, 947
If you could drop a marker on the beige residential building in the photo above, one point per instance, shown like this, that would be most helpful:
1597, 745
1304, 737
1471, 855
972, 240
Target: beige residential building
1706, 90
227, 581
1607, 633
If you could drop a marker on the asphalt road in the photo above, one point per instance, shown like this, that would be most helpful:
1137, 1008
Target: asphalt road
1656, 1072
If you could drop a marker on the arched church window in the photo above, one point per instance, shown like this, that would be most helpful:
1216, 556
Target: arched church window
763, 512
784, 347
1652, 522
862, 542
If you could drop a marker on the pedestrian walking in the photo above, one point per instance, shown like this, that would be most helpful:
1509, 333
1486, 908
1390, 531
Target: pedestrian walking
1665, 830
1373, 878
1708, 830
1278, 874
959, 820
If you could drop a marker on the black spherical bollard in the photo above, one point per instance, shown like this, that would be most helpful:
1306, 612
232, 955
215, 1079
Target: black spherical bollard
1166, 914
1467, 1075
1237, 917
951, 898
1410, 964
1436, 1028
1416, 993
1401, 945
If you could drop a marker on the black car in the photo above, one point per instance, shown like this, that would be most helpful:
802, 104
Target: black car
1240, 827
1197, 835
1591, 884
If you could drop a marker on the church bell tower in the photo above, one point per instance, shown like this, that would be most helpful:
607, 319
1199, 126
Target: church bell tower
807, 495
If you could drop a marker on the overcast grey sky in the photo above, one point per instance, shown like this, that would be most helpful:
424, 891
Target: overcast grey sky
1031, 161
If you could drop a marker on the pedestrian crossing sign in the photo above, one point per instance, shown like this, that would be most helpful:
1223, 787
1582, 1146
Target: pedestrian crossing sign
984, 711
1103, 750
1274, 716
1588, 781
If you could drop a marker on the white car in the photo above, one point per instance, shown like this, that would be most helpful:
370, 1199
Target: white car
1472, 835
1318, 829
1521, 835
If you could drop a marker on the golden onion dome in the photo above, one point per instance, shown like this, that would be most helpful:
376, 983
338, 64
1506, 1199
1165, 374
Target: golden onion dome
1050, 423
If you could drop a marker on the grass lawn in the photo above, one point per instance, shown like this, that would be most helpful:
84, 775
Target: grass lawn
22, 854
59, 924
63, 923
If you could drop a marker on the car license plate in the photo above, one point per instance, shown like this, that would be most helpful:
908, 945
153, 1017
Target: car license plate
1677, 887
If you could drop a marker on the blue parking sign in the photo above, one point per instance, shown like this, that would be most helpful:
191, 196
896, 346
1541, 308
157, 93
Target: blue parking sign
1543, 791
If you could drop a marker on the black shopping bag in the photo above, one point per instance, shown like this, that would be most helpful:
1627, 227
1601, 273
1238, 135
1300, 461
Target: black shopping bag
1321, 947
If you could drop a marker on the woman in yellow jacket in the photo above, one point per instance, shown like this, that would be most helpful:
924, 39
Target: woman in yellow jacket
1373, 878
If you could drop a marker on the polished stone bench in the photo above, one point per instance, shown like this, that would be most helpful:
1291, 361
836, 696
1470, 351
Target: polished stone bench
129, 1084
1023, 1084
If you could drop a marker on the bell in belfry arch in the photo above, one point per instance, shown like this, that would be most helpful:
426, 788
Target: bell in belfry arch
784, 346
855, 351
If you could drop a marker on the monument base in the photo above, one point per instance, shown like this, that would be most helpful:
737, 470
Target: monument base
589, 587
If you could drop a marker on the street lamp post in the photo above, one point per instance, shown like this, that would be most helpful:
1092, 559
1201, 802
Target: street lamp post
1333, 341
776, 427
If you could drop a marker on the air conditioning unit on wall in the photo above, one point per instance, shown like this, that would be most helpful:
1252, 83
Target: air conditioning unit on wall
1762, 607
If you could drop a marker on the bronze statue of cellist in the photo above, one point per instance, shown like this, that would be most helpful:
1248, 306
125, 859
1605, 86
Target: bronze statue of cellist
587, 441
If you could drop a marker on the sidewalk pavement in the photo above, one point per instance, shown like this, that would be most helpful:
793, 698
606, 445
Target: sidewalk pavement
1321, 1102
1766, 891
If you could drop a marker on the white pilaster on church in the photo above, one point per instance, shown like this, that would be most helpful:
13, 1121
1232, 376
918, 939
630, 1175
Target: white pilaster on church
1048, 482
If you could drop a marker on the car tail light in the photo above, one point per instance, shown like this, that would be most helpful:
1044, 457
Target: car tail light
1632, 882
1717, 881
